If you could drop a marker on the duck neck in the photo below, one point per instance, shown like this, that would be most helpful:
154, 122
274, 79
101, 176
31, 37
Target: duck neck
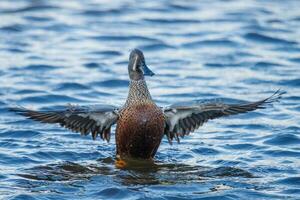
138, 93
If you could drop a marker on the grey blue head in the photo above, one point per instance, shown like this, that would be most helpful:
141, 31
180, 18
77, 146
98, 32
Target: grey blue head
137, 67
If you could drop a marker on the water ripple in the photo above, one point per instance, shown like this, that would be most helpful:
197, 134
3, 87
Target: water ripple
284, 139
49, 99
71, 86
20, 134
260, 38
112, 83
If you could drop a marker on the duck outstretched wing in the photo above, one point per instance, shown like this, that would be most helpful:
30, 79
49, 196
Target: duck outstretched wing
96, 119
183, 118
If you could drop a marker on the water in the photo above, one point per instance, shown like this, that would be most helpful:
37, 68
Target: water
58, 52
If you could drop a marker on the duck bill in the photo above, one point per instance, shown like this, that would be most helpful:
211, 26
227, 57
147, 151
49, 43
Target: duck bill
147, 71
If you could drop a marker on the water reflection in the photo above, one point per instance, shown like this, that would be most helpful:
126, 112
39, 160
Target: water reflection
134, 173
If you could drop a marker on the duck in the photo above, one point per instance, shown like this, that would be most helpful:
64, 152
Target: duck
140, 123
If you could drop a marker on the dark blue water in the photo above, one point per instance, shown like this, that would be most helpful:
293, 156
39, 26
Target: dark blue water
58, 52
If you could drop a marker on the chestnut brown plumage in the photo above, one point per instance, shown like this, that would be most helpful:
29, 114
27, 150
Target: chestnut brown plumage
139, 131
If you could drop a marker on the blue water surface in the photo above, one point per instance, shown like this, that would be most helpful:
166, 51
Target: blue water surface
58, 52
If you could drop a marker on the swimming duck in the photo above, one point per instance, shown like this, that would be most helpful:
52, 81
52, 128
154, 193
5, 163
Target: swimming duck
140, 123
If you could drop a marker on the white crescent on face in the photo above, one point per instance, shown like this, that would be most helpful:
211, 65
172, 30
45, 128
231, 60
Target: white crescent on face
135, 63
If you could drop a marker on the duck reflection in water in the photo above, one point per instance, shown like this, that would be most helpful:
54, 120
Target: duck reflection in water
141, 124
136, 172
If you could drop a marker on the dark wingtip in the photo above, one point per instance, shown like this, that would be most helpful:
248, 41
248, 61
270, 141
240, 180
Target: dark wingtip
275, 97
19, 110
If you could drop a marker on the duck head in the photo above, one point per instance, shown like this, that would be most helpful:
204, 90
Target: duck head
137, 67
